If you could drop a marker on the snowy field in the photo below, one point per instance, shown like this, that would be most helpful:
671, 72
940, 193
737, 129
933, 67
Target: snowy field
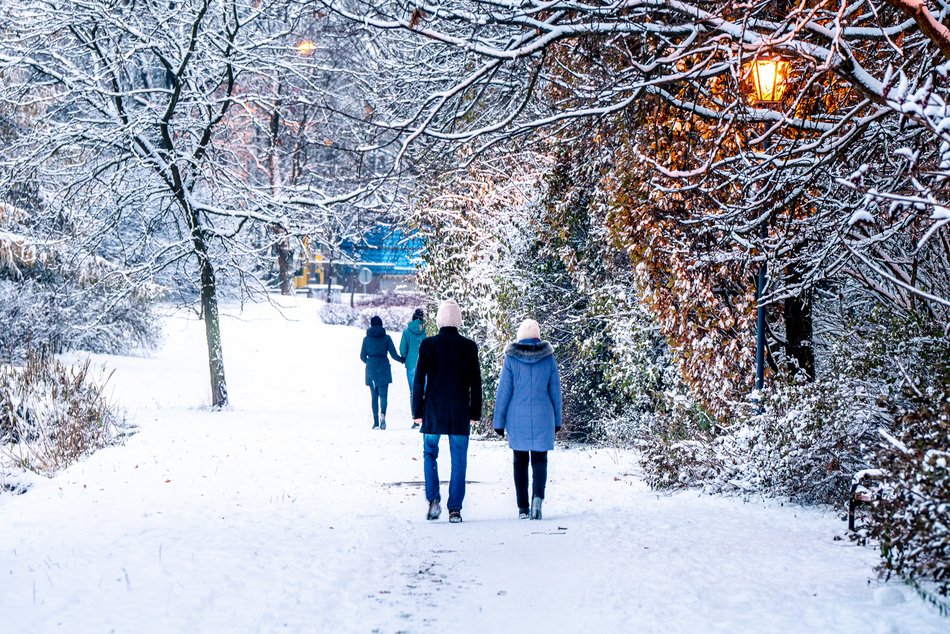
287, 513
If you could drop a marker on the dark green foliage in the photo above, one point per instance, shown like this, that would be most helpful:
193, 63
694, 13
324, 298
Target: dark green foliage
579, 288
911, 522
806, 439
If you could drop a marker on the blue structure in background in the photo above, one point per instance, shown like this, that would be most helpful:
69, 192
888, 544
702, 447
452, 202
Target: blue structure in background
386, 251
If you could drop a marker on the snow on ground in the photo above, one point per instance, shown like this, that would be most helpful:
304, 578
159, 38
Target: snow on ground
287, 513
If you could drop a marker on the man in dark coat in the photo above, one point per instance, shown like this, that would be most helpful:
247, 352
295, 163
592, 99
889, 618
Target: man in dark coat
447, 399
376, 344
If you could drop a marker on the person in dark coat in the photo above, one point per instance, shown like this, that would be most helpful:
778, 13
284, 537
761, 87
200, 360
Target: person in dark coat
528, 406
409, 343
376, 344
447, 399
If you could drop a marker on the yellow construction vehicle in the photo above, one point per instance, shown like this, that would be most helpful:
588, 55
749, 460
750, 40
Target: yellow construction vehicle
309, 267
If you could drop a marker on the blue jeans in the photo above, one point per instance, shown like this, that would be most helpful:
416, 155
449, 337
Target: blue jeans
458, 448
411, 375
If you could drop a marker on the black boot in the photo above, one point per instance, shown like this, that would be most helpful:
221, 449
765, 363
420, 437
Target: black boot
434, 510
535, 512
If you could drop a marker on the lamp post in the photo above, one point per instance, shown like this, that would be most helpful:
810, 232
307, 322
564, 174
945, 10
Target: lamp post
769, 76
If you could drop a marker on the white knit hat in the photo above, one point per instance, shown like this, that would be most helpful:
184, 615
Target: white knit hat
449, 314
529, 329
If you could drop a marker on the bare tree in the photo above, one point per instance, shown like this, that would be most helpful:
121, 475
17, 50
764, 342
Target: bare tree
846, 175
140, 116
500, 69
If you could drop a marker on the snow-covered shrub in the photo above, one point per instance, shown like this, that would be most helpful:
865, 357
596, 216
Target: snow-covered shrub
51, 415
806, 443
803, 440
395, 318
395, 309
676, 447
62, 317
912, 521
623, 429
392, 300
58, 299
681, 464
338, 314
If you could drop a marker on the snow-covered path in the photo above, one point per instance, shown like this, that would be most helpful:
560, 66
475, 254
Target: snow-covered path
288, 514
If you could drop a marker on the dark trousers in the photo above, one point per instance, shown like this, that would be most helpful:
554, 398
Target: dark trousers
380, 395
539, 475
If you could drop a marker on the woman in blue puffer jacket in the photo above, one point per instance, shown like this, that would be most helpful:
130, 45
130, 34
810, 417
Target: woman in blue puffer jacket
528, 407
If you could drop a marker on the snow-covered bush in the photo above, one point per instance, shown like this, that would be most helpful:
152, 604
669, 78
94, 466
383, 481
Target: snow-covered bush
395, 309
391, 300
804, 440
805, 444
63, 316
51, 415
338, 314
912, 521
394, 318
680, 463
623, 429
676, 444
61, 297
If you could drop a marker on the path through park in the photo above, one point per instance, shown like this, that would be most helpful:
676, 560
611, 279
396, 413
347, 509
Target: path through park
287, 513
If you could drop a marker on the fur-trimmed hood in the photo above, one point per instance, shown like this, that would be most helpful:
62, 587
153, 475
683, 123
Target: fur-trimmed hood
529, 351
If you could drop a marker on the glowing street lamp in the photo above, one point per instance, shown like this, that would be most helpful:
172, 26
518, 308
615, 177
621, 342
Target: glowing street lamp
306, 48
770, 78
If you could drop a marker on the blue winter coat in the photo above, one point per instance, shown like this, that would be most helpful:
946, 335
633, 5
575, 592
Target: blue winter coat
528, 403
412, 336
376, 344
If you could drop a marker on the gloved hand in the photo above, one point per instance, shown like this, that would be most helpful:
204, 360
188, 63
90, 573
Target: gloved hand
500, 432
557, 429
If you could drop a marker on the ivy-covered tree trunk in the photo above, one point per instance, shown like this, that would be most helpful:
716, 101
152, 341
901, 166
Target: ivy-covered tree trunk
281, 239
285, 274
798, 334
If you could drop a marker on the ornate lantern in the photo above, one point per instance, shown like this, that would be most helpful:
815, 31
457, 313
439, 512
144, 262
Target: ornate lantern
770, 77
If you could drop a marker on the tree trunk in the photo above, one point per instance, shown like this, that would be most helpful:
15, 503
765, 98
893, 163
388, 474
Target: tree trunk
284, 262
209, 308
284, 253
798, 334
